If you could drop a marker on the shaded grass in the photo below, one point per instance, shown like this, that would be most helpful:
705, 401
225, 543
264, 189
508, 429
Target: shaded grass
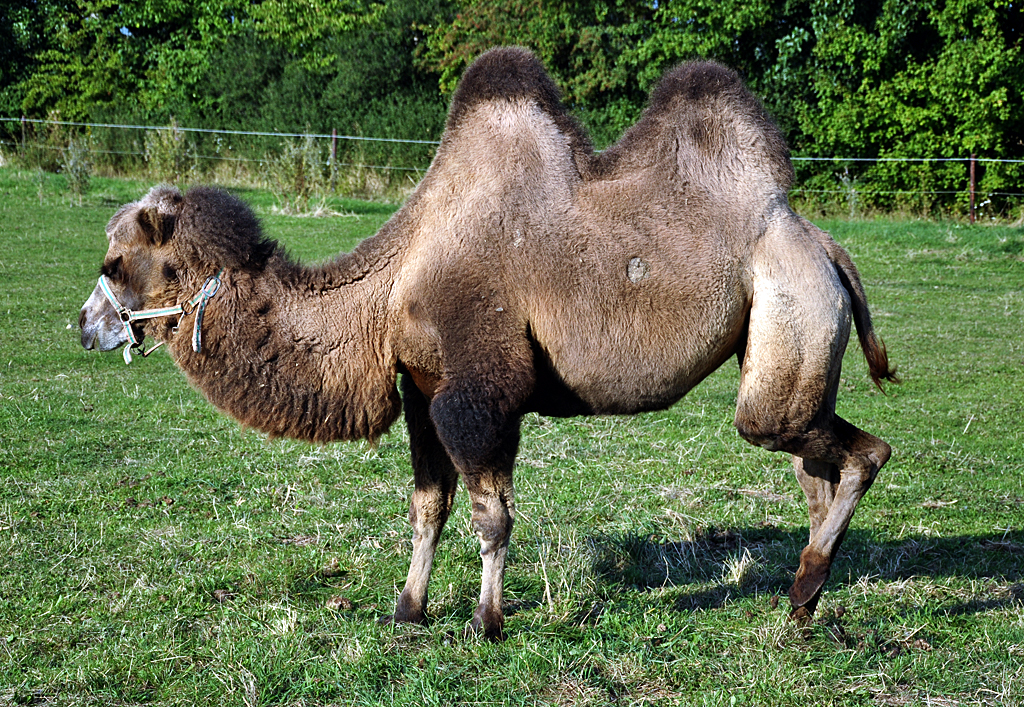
155, 552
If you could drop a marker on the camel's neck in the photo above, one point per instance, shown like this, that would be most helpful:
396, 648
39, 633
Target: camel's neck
299, 352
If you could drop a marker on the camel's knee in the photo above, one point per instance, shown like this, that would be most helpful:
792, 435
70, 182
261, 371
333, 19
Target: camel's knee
492, 521
493, 511
429, 511
773, 430
759, 431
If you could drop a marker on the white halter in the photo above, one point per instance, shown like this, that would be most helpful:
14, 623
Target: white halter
196, 304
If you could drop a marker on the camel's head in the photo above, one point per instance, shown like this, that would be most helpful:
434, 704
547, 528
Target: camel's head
140, 266
166, 250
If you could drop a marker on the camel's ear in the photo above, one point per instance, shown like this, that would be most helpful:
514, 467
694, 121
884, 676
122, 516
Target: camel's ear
157, 227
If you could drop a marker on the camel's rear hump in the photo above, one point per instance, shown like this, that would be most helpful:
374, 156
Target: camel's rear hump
707, 127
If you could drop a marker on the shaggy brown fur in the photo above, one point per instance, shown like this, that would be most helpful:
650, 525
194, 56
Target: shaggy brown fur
527, 274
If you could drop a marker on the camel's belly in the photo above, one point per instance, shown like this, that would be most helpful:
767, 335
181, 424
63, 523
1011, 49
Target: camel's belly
643, 352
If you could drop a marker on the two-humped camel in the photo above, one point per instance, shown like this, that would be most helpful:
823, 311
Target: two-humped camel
525, 273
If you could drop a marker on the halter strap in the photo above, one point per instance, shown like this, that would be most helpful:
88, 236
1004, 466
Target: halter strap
196, 304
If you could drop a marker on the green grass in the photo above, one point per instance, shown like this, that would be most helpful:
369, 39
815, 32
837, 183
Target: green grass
154, 552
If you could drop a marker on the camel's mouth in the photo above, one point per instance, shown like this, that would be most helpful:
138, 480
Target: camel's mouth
102, 328
100, 338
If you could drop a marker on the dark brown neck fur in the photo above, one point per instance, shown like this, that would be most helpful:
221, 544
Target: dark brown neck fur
300, 352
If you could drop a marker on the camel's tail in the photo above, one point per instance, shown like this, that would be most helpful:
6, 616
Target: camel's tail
871, 345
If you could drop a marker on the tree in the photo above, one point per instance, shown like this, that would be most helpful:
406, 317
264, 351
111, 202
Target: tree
370, 86
22, 35
306, 27
582, 44
925, 79
104, 52
606, 54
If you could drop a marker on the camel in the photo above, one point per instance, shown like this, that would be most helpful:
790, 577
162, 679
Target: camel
525, 273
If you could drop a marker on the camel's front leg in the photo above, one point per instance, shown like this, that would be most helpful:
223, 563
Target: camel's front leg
436, 481
481, 435
493, 501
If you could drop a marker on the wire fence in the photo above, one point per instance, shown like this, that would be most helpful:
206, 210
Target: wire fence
263, 153
223, 158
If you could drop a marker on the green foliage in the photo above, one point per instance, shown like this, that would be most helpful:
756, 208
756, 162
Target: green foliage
256, 77
306, 28
924, 80
22, 35
82, 65
77, 167
169, 153
606, 54
585, 46
928, 79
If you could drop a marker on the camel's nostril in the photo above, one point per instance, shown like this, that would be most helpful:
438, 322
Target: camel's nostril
81, 319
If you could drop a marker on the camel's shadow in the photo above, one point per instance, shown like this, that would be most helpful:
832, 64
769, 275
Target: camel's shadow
725, 565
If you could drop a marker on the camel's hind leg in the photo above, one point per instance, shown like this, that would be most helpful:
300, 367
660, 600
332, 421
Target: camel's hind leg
835, 465
833, 491
799, 327
819, 481
436, 481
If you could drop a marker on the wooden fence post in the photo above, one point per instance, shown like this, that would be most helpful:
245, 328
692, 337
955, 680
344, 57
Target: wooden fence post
334, 160
973, 183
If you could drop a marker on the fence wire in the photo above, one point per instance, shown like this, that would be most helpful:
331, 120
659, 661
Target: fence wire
210, 131
357, 138
335, 136
220, 158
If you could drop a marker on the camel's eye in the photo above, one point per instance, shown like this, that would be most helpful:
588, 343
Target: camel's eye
169, 272
113, 270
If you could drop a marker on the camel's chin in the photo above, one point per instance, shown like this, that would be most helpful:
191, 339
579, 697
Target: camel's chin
99, 341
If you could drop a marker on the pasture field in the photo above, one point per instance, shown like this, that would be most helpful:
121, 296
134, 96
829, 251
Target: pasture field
155, 552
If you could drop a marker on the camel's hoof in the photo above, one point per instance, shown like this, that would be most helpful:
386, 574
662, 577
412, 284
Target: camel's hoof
802, 616
810, 579
403, 618
487, 626
491, 634
802, 605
